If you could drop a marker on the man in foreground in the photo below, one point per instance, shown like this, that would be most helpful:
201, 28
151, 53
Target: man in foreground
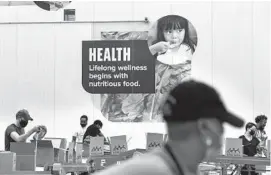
194, 114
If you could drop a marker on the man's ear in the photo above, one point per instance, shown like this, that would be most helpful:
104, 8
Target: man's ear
203, 126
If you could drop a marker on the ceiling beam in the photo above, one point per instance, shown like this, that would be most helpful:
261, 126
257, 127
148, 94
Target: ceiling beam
16, 3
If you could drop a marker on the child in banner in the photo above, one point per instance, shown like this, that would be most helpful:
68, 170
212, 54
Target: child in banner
173, 44
173, 48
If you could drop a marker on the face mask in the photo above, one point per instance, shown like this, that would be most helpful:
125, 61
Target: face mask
23, 123
83, 124
252, 132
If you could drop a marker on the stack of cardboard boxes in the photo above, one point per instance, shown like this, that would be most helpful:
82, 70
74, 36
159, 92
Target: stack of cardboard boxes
7, 162
25, 156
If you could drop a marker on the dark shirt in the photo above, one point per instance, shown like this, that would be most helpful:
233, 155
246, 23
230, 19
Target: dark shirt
11, 128
250, 147
92, 131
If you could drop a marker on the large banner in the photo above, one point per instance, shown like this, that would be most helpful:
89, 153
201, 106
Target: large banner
171, 42
118, 67
124, 107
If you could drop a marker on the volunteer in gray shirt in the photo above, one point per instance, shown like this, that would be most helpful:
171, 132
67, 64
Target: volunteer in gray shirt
15, 132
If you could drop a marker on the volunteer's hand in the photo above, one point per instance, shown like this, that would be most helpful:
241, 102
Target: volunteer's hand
35, 129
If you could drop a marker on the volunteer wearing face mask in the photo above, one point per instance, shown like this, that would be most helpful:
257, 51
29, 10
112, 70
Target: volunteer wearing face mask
194, 114
15, 132
80, 133
250, 143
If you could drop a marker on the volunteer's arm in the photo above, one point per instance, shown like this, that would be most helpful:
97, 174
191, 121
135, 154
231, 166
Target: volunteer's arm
86, 134
100, 134
22, 138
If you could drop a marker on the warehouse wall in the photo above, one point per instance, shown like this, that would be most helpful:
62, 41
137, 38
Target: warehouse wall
40, 64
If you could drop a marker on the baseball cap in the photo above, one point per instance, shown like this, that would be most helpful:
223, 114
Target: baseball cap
23, 113
192, 100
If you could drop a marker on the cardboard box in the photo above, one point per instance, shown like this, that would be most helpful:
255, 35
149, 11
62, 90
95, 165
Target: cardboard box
118, 144
60, 155
7, 162
58, 142
60, 148
79, 152
25, 155
86, 150
71, 152
96, 146
234, 147
154, 140
45, 152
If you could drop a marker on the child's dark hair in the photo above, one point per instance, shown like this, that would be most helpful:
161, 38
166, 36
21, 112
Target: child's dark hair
260, 118
250, 125
170, 22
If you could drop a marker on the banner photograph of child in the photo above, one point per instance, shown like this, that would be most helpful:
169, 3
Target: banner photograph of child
172, 40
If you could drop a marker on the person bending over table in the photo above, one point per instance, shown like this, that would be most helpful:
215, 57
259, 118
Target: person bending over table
93, 131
